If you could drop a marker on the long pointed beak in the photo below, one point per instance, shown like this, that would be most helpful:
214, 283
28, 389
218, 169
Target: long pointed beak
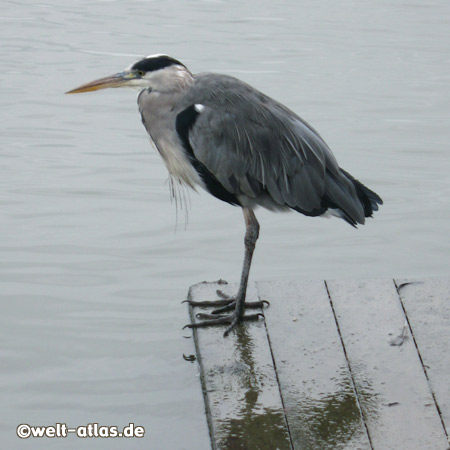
113, 81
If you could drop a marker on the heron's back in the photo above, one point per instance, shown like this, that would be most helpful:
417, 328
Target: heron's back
263, 154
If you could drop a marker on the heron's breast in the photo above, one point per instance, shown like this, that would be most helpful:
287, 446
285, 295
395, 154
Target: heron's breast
177, 162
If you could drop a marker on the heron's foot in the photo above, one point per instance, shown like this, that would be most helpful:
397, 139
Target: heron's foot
226, 303
231, 303
232, 320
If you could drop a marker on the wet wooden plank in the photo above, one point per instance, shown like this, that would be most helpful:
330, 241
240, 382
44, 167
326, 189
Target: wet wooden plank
399, 412
316, 386
427, 304
242, 396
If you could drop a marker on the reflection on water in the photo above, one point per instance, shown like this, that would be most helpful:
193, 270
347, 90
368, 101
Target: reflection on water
332, 421
252, 426
253, 431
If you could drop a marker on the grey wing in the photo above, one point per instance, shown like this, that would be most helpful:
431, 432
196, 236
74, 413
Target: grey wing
257, 148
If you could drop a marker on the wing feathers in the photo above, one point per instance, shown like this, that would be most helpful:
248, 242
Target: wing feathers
256, 147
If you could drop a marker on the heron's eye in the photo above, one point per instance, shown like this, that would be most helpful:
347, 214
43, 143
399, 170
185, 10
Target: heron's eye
141, 73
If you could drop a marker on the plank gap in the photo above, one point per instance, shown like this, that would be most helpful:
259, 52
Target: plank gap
424, 368
349, 368
278, 382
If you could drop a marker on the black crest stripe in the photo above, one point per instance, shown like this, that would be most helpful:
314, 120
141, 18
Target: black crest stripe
155, 63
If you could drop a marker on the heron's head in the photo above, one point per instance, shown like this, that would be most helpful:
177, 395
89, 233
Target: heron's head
156, 72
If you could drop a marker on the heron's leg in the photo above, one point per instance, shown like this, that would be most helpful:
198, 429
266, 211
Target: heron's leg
251, 236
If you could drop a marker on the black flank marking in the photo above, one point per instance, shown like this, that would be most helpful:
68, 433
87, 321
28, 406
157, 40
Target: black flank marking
156, 63
184, 122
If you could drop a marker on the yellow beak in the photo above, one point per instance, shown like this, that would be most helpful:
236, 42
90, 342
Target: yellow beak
113, 81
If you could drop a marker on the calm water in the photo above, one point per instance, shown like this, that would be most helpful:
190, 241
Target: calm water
94, 259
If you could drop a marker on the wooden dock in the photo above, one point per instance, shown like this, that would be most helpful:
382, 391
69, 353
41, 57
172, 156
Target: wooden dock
334, 365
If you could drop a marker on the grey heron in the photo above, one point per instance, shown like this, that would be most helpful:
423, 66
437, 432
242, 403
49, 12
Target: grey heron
243, 147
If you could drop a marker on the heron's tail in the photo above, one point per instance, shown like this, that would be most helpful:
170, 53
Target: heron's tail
369, 199
342, 201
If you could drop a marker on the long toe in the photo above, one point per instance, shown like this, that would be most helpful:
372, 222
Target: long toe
231, 306
208, 303
229, 319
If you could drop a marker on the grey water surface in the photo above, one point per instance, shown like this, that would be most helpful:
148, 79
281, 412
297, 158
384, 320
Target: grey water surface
95, 258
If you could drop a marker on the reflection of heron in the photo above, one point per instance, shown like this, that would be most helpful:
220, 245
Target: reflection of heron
244, 148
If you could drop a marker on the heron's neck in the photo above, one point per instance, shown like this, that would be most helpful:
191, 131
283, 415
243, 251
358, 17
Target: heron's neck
183, 79
176, 80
